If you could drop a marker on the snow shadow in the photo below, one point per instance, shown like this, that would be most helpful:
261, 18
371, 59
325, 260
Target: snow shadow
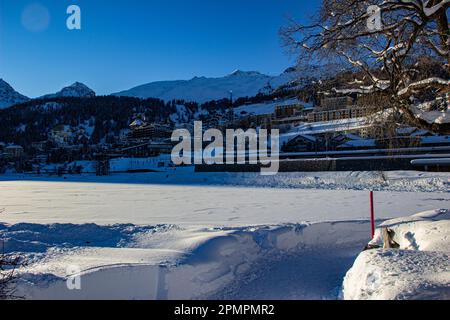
291, 261
36, 238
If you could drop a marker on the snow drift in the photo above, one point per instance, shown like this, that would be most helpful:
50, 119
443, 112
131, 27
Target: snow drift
306, 261
420, 269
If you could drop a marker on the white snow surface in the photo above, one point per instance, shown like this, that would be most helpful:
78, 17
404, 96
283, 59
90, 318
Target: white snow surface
180, 235
419, 269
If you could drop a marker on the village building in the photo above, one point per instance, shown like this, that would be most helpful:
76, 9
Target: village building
39, 146
60, 135
302, 143
141, 132
346, 107
286, 116
14, 152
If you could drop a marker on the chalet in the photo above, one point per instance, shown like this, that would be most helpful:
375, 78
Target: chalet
302, 143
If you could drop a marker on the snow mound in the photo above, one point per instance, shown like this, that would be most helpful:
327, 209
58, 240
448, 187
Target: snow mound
419, 269
292, 261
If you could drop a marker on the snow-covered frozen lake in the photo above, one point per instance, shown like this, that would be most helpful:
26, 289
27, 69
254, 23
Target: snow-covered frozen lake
104, 204
202, 235
215, 200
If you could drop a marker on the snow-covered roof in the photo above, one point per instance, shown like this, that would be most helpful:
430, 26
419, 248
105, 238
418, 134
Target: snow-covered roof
308, 105
359, 143
329, 126
433, 116
265, 108
307, 137
13, 146
406, 130
421, 132
352, 136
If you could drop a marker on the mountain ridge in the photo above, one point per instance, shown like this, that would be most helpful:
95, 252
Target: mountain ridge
241, 83
203, 89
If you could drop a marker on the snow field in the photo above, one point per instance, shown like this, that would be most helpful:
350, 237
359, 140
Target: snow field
225, 236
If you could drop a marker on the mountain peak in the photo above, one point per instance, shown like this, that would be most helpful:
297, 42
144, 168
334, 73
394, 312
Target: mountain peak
77, 89
8, 96
237, 73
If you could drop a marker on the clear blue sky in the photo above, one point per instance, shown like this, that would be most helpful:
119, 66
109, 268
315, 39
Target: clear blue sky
124, 43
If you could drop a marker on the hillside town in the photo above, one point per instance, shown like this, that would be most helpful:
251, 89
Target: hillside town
334, 126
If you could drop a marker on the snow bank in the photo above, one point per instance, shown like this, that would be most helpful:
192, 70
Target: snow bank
377, 181
420, 269
304, 261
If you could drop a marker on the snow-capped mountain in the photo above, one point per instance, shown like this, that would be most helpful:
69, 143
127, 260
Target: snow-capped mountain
202, 89
75, 90
9, 96
242, 83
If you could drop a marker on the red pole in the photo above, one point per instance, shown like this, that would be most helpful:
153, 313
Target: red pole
372, 214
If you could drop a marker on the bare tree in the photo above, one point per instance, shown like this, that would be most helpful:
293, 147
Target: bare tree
387, 40
8, 267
